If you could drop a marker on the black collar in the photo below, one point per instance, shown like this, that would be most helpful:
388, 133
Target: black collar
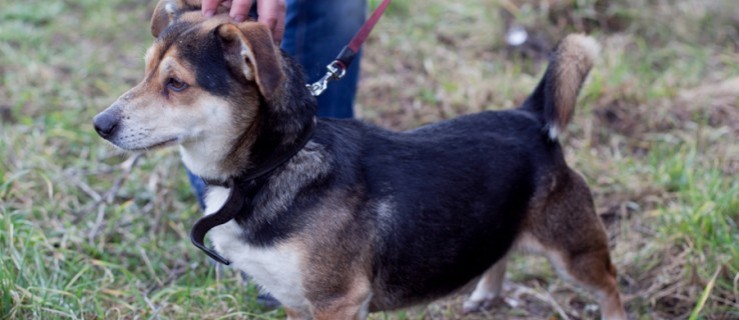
235, 202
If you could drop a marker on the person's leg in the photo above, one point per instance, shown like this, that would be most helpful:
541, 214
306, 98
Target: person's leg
315, 33
198, 187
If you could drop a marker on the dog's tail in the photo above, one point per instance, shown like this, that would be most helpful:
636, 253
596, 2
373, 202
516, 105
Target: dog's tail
554, 98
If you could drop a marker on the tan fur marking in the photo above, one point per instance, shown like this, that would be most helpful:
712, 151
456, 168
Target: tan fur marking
337, 279
351, 305
151, 57
243, 123
171, 67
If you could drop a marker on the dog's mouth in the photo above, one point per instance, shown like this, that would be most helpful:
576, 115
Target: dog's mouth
158, 145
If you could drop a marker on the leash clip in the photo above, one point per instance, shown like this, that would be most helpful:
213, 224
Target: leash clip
337, 68
336, 71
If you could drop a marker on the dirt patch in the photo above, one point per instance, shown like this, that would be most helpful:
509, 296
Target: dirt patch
714, 104
717, 103
6, 114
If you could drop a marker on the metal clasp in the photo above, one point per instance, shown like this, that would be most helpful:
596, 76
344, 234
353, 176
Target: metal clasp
336, 71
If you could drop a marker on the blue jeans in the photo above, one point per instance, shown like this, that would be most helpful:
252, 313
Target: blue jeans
315, 33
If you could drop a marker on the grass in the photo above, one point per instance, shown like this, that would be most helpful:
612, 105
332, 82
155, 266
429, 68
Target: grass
88, 232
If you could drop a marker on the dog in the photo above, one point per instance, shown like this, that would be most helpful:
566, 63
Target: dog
355, 218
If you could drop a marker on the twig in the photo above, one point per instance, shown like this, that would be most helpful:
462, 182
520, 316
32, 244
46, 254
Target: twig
86, 189
172, 276
154, 309
547, 298
98, 222
127, 166
101, 201
150, 266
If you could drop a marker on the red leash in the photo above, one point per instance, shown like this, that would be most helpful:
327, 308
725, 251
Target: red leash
337, 68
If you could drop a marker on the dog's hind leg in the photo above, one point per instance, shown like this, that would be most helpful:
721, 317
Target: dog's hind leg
566, 229
488, 288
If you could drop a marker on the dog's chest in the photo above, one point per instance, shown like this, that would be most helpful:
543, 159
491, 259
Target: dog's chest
276, 268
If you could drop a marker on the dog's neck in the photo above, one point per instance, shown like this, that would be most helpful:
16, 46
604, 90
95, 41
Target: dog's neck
271, 161
254, 153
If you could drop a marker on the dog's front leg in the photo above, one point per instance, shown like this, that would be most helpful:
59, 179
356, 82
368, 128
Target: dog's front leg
488, 288
352, 305
343, 310
295, 314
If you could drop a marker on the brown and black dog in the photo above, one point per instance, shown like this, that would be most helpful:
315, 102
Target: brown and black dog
361, 219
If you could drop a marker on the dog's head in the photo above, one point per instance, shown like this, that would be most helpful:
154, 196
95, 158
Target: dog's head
207, 84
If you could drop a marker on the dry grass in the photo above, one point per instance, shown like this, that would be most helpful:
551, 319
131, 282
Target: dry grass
86, 232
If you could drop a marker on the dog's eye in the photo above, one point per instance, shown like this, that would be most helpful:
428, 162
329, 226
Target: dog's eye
176, 85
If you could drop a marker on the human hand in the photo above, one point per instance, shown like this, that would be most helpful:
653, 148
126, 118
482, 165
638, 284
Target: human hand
271, 13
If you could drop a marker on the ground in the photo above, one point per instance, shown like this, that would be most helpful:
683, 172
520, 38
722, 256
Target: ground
90, 232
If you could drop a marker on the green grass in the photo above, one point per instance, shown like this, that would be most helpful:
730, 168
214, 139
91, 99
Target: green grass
87, 232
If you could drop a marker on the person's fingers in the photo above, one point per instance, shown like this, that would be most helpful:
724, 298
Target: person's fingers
240, 10
209, 7
272, 14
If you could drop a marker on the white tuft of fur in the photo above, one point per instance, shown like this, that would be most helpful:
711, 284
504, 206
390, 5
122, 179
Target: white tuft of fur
553, 132
215, 198
171, 8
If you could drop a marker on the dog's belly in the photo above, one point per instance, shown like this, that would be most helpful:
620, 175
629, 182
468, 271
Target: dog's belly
276, 268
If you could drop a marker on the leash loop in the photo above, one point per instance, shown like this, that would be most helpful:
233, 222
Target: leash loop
231, 207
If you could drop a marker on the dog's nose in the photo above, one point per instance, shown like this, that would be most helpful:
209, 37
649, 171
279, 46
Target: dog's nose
105, 124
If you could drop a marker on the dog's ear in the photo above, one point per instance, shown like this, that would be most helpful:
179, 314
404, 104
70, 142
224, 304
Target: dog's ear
249, 46
167, 11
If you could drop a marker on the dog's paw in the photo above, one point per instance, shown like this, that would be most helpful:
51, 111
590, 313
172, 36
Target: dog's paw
478, 304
